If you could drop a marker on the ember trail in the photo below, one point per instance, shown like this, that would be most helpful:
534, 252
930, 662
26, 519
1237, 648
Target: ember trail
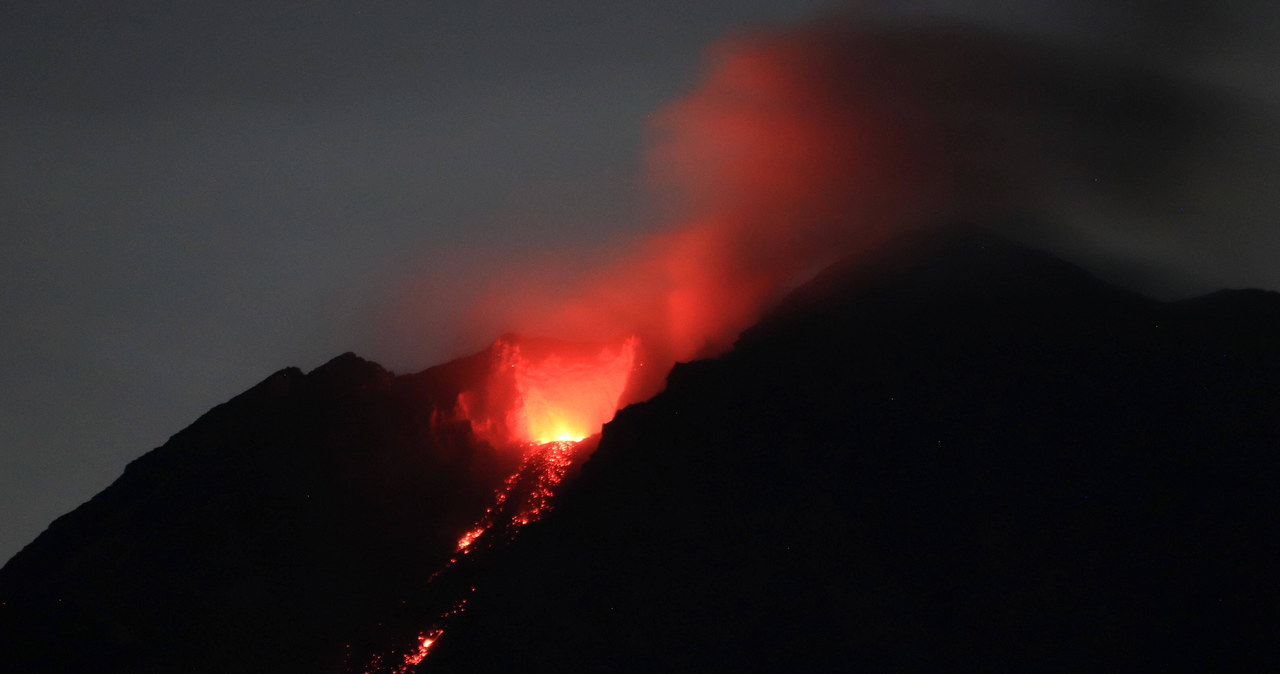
526, 495
542, 398
547, 400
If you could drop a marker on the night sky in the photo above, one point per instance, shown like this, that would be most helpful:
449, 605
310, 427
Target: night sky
196, 195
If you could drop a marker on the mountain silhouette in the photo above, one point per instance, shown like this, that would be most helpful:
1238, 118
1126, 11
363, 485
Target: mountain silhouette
261, 537
968, 455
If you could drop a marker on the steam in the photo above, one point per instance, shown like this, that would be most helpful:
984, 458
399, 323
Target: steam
803, 145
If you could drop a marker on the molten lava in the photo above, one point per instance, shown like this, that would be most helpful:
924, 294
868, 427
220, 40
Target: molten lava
542, 391
542, 398
564, 399
526, 494
408, 663
425, 642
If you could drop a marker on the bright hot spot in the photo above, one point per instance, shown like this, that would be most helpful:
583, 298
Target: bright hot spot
541, 391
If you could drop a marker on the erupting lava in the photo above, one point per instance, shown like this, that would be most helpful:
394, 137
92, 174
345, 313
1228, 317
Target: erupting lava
544, 398
565, 399
542, 391
784, 159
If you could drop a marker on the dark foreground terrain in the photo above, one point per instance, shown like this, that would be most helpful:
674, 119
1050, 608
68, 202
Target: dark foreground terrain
974, 457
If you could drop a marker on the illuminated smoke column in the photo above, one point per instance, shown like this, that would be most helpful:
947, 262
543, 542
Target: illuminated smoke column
540, 391
772, 172
541, 399
798, 148
802, 146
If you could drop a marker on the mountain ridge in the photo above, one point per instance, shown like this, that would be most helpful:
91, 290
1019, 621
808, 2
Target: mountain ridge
929, 468
906, 482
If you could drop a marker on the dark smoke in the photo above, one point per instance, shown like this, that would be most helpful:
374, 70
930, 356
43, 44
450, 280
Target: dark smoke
810, 143
1175, 200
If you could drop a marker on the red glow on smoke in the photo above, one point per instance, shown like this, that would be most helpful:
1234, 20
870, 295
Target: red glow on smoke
565, 399
544, 391
788, 156
796, 149
542, 398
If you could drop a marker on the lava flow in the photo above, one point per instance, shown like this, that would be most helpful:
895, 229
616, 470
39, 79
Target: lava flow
525, 497
409, 662
544, 399
526, 494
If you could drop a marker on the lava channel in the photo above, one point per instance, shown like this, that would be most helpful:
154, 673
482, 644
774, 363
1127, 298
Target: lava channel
549, 400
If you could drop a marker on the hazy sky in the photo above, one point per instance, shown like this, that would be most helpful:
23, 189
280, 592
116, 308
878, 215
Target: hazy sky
195, 195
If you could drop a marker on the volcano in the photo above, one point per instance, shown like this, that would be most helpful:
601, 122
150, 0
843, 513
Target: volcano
968, 455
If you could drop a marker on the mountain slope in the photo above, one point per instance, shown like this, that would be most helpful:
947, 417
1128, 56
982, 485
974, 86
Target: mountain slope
262, 537
969, 456
980, 458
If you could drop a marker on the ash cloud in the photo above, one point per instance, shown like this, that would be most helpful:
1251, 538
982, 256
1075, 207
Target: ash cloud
805, 144
1174, 198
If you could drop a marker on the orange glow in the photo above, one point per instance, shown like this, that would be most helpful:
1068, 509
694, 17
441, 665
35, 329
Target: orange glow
408, 663
425, 642
526, 494
790, 154
565, 399
469, 538
525, 497
544, 391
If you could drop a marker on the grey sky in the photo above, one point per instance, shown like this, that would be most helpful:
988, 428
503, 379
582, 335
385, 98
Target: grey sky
195, 195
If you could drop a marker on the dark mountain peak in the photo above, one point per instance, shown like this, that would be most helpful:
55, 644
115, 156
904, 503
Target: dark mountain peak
276, 526
972, 263
961, 453
1235, 321
993, 261
290, 372
969, 453
941, 281
281, 380
350, 370
348, 361
1243, 300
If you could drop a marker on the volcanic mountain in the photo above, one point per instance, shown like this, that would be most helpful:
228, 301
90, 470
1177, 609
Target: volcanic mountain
970, 455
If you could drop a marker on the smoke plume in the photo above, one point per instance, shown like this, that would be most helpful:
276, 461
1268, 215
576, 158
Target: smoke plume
803, 145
